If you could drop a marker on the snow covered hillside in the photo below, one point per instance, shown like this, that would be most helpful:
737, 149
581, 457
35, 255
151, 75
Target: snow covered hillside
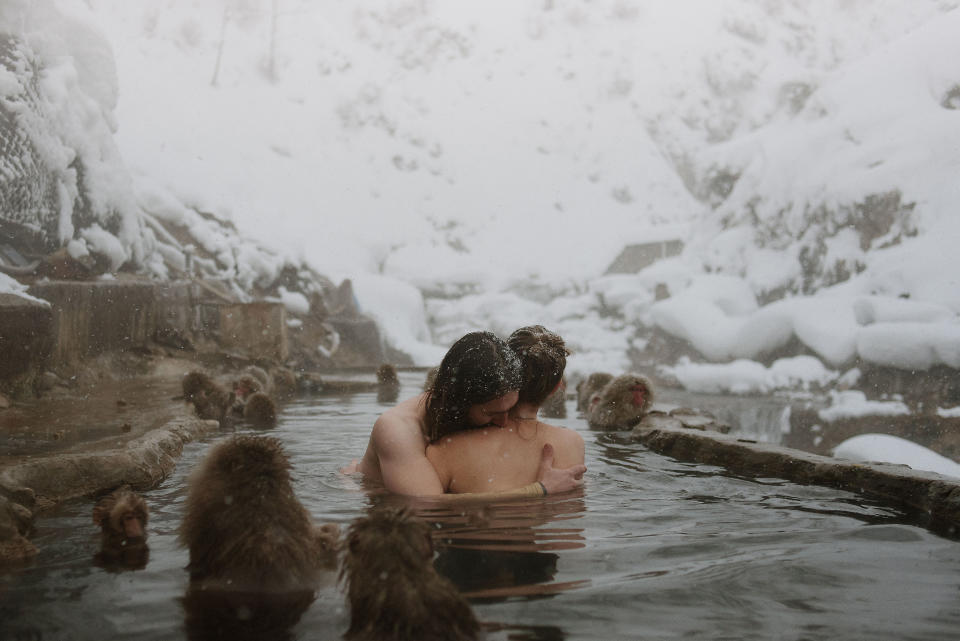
479, 165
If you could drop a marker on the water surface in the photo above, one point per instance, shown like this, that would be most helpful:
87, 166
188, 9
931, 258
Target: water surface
651, 549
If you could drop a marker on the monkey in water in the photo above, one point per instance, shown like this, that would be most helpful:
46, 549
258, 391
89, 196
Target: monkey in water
284, 382
260, 410
393, 590
122, 516
590, 385
244, 527
388, 383
621, 404
210, 399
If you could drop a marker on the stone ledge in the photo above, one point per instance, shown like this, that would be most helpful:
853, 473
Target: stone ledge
934, 498
142, 463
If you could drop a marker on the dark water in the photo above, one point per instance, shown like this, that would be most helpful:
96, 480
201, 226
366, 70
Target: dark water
653, 549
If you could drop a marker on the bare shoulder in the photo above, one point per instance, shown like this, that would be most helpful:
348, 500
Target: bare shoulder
567, 442
401, 423
409, 409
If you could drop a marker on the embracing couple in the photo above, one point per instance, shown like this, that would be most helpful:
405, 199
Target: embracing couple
475, 430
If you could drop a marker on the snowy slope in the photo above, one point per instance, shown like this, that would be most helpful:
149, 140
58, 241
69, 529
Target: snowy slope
512, 148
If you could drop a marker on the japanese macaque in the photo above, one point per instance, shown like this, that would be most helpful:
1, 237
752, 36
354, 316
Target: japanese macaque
122, 516
245, 386
245, 529
388, 384
621, 404
260, 410
261, 376
431, 376
588, 386
210, 399
555, 405
284, 382
195, 383
393, 590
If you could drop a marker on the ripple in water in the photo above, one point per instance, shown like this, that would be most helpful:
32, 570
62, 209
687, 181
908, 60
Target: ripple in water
651, 549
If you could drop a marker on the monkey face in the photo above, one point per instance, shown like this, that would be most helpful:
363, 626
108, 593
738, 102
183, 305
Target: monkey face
639, 393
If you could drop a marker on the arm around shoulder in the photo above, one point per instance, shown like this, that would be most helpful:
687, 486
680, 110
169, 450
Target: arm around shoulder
401, 452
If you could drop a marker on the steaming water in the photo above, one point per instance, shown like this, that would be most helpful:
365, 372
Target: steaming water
652, 549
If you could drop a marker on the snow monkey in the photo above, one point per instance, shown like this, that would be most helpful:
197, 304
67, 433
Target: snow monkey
244, 527
260, 410
122, 516
621, 404
388, 384
587, 387
284, 382
393, 590
210, 399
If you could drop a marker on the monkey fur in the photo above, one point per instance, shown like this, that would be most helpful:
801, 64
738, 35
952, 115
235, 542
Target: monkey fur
122, 516
261, 376
244, 527
388, 383
590, 385
210, 399
392, 588
621, 404
260, 410
284, 382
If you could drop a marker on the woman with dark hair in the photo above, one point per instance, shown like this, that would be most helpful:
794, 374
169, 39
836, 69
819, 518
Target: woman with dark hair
480, 367
498, 460
476, 386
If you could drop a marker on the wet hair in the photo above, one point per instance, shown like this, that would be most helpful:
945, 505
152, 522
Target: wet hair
477, 369
543, 357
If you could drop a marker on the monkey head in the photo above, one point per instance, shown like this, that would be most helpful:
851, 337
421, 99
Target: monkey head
122, 517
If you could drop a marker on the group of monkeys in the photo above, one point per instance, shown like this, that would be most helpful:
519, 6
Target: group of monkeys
251, 395
251, 542
614, 402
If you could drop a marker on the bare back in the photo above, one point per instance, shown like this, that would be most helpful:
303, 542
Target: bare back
495, 459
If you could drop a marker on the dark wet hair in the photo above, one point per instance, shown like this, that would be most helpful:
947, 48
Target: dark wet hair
543, 357
478, 368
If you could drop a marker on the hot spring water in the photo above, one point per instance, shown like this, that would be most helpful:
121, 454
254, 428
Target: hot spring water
651, 549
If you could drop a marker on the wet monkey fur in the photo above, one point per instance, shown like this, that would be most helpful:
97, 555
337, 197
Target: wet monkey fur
621, 404
243, 525
393, 590
210, 399
122, 516
587, 387
260, 410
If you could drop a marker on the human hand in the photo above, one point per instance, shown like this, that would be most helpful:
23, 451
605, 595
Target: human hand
558, 480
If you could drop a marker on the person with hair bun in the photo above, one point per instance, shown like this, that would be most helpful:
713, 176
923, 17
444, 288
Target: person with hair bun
476, 386
495, 459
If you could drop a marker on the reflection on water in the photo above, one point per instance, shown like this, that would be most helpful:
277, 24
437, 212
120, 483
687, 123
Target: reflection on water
652, 548
508, 549
242, 616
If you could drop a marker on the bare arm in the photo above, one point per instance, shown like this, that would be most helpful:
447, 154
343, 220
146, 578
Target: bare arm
403, 463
